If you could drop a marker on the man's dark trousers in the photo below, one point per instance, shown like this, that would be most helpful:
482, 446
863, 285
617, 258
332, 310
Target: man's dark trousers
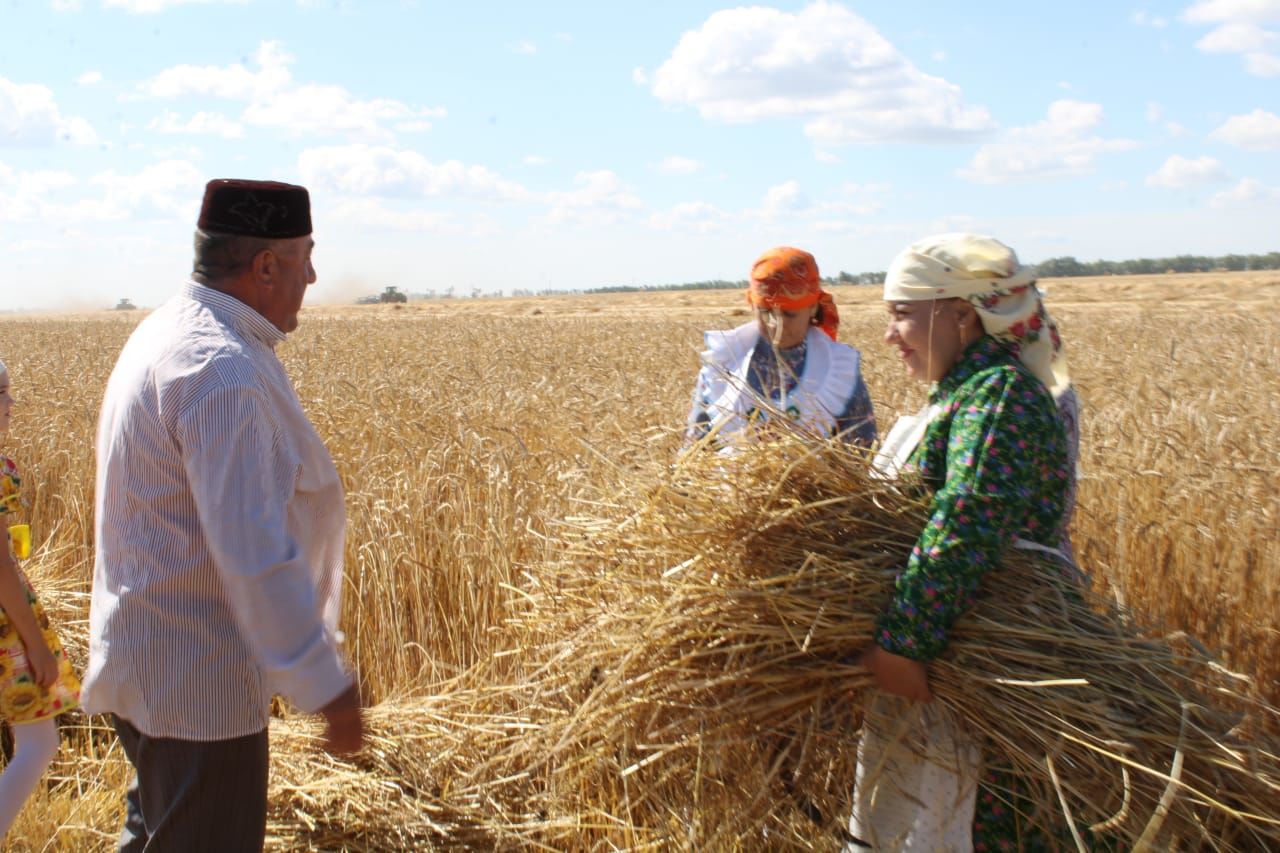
192, 796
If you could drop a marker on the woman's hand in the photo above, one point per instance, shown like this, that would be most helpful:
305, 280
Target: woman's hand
43, 665
897, 675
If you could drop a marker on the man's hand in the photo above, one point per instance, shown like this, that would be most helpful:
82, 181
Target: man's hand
897, 675
343, 730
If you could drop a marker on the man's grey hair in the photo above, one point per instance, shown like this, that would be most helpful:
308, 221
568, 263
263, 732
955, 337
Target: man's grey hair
220, 257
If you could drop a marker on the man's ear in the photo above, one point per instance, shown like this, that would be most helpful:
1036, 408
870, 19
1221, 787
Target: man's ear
264, 266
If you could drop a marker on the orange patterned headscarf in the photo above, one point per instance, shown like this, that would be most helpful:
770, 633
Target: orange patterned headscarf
786, 279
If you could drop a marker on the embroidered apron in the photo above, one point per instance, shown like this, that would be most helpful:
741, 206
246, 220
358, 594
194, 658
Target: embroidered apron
826, 384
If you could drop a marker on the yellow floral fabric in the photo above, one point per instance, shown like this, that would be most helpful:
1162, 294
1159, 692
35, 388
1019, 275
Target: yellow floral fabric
21, 699
10, 483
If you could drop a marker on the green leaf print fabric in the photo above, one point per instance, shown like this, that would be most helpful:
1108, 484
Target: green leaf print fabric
995, 460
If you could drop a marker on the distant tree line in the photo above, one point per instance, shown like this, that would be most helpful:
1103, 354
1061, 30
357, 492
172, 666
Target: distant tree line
724, 284
717, 284
1065, 267
1069, 267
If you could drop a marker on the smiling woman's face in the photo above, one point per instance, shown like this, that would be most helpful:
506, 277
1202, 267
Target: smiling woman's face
930, 336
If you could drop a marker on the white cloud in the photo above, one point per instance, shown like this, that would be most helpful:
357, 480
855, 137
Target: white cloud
564, 38
1145, 19
1256, 131
785, 198
825, 157
1239, 29
200, 124
823, 65
370, 213
167, 188
1212, 11
851, 188
364, 170
1061, 144
1263, 64
600, 198
639, 76
1155, 115
789, 202
1179, 172
314, 109
1248, 191
66, 5
90, 78
675, 165
162, 190
274, 100
526, 47
698, 217
535, 160
1237, 38
29, 117
846, 208
141, 7
413, 126
25, 196
838, 226
234, 82
846, 216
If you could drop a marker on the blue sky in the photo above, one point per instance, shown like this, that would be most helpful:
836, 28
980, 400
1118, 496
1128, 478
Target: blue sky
568, 145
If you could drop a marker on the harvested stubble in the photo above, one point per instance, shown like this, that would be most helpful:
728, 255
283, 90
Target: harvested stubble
688, 682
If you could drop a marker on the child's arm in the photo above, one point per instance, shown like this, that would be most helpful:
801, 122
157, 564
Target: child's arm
13, 600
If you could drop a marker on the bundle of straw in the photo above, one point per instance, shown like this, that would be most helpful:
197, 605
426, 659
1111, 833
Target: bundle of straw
405, 791
684, 676
715, 659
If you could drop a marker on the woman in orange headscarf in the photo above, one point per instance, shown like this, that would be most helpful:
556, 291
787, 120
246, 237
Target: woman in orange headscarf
787, 360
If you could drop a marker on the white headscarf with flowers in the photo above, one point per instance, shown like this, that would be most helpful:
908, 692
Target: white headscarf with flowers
987, 274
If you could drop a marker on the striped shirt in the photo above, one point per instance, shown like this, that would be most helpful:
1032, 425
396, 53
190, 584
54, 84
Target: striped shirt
219, 531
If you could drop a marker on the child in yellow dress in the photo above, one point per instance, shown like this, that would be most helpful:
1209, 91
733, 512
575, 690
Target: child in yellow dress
36, 681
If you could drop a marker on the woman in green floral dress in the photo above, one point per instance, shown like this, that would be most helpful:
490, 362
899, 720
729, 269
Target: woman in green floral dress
992, 450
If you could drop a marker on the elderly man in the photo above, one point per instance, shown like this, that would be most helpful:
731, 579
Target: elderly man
219, 536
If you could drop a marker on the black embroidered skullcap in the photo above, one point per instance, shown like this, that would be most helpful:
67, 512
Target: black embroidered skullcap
267, 209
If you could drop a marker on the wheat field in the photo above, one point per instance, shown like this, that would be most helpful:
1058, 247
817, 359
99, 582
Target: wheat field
465, 429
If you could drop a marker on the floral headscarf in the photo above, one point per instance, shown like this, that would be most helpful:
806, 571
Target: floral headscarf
786, 279
987, 274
